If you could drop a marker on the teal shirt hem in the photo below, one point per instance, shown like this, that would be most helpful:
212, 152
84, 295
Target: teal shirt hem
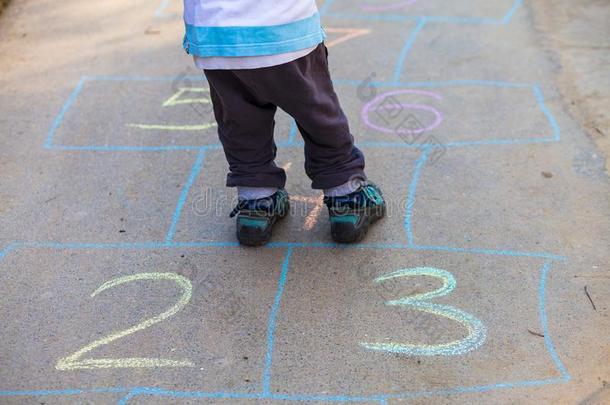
253, 41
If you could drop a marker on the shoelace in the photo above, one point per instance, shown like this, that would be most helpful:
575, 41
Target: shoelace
372, 194
357, 199
245, 204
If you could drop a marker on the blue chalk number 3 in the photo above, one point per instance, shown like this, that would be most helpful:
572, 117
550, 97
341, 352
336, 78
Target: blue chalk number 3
421, 302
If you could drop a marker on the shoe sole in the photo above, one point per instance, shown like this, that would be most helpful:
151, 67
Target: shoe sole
349, 233
253, 237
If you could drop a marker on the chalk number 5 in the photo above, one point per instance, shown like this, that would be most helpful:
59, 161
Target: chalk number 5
476, 330
75, 361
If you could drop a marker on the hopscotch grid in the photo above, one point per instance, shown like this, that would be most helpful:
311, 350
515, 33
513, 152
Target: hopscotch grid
292, 142
548, 341
125, 400
170, 244
509, 15
276, 244
195, 170
267, 394
295, 144
155, 391
408, 225
421, 23
411, 195
59, 118
291, 135
272, 322
550, 117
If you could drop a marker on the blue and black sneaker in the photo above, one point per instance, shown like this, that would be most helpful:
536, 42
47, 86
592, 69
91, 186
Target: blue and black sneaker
255, 218
351, 215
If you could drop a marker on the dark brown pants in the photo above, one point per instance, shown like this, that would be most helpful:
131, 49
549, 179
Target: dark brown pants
245, 102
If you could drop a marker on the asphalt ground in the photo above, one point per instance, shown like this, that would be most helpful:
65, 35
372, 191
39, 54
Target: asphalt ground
120, 278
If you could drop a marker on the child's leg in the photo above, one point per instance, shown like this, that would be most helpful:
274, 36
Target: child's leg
245, 128
339, 176
304, 90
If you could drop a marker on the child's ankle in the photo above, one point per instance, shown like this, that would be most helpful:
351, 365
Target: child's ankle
344, 189
255, 193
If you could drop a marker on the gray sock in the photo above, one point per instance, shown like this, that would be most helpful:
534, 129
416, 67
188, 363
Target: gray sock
255, 193
344, 189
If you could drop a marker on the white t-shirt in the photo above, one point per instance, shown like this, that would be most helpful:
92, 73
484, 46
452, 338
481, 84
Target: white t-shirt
249, 62
250, 34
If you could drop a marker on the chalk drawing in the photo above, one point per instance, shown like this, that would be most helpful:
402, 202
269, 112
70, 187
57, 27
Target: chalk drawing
387, 102
176, 100
350, 33
314, 215
476, 330
199, 127
318, 203
420, 302
75, 361
389, 6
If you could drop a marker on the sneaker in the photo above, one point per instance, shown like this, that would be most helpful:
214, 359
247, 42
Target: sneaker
255, 218
352, 214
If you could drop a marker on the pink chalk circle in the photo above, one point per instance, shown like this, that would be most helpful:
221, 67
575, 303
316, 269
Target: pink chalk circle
376, 105
390, 6
438, 119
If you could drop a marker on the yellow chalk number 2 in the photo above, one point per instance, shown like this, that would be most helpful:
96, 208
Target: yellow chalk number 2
75, 361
